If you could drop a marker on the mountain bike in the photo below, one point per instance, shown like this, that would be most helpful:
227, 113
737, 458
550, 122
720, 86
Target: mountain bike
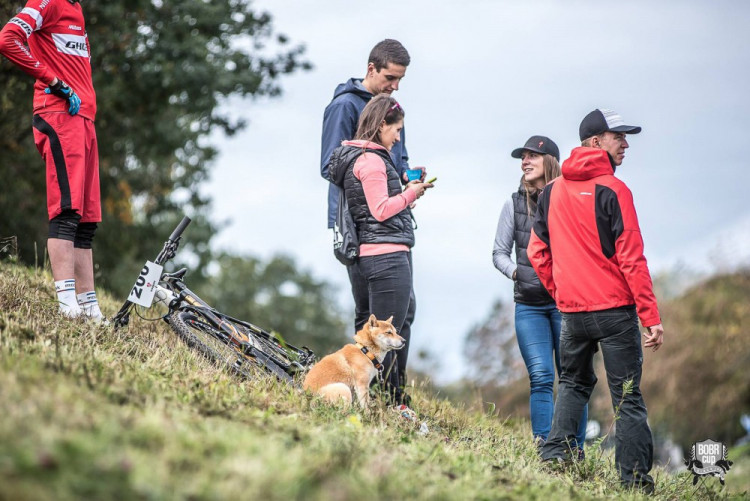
234, 344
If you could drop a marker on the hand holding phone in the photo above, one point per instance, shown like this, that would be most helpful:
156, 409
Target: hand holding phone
413, 174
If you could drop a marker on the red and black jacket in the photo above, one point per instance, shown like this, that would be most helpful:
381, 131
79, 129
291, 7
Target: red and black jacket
586, 245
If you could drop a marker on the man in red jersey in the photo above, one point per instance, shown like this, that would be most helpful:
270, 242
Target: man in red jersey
587, 249
47, 39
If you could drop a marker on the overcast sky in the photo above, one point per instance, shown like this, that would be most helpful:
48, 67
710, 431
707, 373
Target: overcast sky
484, 76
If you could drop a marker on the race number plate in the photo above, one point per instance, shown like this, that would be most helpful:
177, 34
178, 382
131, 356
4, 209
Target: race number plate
143, 291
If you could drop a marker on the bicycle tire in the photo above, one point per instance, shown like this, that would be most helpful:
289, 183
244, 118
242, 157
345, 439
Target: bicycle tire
207, 341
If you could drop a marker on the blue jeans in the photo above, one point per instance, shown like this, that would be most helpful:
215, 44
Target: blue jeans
616, 332
538, 334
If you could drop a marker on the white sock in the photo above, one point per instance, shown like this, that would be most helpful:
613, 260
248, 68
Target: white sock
90, 305
66, 297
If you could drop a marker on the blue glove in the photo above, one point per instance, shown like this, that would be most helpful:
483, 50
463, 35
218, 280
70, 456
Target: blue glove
62, 90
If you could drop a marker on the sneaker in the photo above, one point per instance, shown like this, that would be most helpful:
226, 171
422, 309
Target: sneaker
406, 412
95, 319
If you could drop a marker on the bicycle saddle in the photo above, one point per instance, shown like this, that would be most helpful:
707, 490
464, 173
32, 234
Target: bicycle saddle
176, 275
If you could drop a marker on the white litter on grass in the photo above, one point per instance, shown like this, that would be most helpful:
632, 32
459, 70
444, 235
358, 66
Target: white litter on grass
423, 428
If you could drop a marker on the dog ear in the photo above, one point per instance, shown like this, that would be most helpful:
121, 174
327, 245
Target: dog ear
390, 320
373, 321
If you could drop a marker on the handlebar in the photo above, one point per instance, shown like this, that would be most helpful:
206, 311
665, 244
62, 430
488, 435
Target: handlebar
180, 228
170, 248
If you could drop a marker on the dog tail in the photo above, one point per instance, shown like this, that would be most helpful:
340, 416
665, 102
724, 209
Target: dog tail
336, 392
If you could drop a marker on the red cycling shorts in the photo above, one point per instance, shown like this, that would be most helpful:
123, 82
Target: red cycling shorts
68, 146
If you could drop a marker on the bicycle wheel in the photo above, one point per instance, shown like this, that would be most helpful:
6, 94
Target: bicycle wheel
209, 342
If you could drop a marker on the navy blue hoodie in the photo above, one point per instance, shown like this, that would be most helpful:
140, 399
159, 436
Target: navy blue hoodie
340, 124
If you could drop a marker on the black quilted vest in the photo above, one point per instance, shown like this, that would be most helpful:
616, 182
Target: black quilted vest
528, 289
395, 230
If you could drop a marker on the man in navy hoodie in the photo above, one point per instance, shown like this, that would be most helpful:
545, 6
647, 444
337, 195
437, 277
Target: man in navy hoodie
386, 67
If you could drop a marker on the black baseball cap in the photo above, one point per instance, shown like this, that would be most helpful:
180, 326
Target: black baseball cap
538, 144
600, 121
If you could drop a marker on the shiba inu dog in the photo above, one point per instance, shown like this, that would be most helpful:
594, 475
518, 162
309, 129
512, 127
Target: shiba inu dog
347, 373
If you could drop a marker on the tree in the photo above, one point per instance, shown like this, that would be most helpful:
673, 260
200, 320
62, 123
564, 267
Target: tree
697, 385
277, 296
497, 374
161, 71
491, 350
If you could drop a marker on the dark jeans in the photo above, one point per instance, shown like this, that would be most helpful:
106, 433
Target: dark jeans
360, 295
616, 331
538, 335
390, 292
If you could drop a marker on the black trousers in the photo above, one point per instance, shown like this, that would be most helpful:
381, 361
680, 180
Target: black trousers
616, 331
386, 287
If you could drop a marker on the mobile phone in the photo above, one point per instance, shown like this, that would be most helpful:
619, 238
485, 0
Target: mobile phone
413, 174
432, 180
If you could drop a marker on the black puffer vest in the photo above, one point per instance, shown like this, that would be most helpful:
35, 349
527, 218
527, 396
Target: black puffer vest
528, 289
395, 230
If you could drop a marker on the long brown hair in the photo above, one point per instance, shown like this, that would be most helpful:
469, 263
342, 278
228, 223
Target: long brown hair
381, 108
551, 171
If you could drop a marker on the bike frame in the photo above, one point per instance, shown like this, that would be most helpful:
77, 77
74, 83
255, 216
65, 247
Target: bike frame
187, 301
182, 299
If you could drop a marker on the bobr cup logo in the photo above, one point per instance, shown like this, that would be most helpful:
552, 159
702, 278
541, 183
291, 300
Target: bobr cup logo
708, 458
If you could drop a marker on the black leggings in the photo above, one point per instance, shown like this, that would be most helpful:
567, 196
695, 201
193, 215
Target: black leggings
390, 291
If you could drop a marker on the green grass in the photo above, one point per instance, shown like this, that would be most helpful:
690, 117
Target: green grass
88, 413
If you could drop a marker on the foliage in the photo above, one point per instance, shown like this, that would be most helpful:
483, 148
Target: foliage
491, 348
161, 71
697, 385
277, 296
93, 414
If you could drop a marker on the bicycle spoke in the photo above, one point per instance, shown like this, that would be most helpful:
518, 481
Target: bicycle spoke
211, 343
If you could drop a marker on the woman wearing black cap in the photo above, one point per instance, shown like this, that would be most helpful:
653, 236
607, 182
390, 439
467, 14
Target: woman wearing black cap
537, 319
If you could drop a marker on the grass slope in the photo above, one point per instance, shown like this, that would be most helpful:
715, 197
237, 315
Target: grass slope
88, 413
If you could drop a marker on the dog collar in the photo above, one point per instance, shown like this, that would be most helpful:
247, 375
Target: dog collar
369, 355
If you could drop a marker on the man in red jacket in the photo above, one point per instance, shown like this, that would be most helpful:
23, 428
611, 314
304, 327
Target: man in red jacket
587, 249
47, 39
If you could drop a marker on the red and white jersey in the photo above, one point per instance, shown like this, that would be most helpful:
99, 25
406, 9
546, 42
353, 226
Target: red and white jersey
58, 46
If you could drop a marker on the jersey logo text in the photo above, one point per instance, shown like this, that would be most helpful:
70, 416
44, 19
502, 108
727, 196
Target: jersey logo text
23, 24
75, 45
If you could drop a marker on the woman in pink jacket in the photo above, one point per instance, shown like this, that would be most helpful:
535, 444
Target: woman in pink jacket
381, 211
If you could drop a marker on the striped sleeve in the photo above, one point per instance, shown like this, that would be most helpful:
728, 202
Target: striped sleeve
14, 36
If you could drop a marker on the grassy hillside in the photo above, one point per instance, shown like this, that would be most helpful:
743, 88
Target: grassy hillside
88, 413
